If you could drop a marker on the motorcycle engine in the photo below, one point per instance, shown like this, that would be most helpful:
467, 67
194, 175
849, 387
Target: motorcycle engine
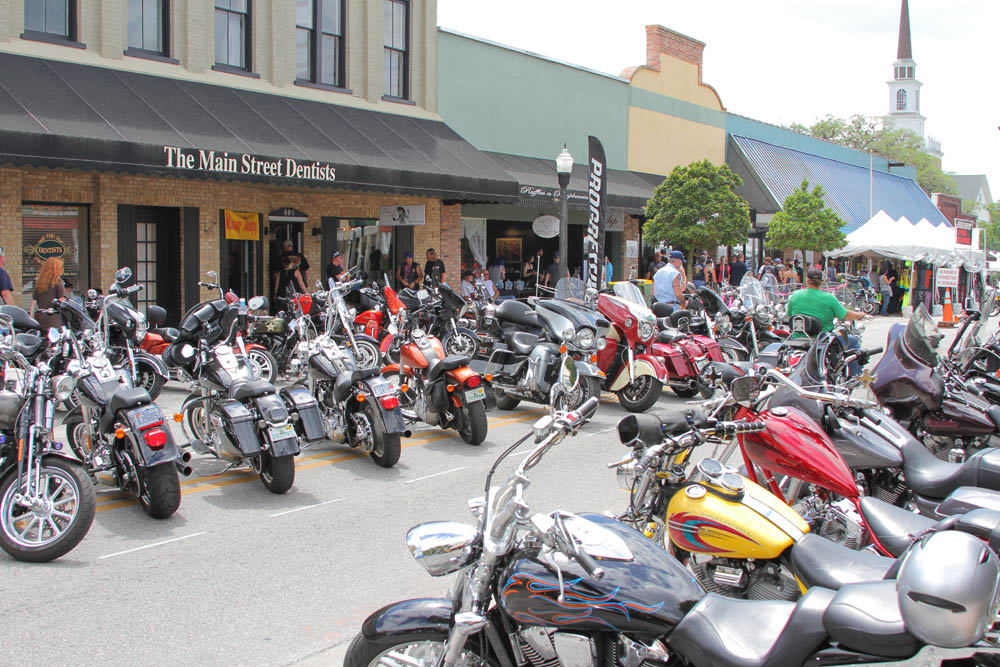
841, 523
745, 580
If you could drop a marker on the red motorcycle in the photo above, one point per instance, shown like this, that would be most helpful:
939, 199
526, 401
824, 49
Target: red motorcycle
684, 354
630, 370
382, 319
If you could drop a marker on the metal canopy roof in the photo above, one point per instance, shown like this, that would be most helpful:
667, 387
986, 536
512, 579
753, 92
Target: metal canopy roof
781, 170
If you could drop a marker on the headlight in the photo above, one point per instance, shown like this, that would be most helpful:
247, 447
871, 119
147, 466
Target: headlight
443, 547
140, 329
723, 323
646, 329
63, 386
568, 332
585, 339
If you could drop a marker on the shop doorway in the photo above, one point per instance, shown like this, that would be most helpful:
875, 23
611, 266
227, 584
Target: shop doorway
241, 262
149, 242
287, 225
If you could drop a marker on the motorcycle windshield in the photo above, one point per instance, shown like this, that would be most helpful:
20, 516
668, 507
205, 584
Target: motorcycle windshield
712, 302
922, 337
571, 288
752, 292
629, 292
975, 337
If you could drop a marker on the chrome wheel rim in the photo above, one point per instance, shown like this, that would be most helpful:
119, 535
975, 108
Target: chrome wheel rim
422, 654
261, 365
639, 388
461, 344
37, 523
366, 355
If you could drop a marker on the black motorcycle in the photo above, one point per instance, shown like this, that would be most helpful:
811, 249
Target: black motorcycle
440, 318
47, 503
230, 414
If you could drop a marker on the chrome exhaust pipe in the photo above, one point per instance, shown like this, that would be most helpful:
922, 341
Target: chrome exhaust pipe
184, 470
185, 456
407, 433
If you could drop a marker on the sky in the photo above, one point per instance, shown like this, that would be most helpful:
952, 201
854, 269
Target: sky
785, 61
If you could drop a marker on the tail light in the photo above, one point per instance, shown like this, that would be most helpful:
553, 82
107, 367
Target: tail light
472, 382
389, 402
155, 438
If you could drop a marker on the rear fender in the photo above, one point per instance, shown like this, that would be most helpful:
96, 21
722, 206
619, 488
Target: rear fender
392, 419
141, 356
460, 375
391, 369
423, 615
145, 455
731, 344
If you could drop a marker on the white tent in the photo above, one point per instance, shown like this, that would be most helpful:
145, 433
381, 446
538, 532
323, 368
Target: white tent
897, 239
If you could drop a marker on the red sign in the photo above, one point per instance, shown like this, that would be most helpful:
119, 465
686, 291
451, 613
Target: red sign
963, 231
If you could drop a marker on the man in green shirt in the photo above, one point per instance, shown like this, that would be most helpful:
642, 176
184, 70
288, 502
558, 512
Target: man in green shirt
812, 300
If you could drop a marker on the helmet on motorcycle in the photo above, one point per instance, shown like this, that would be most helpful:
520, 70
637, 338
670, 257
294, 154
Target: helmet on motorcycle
947, 589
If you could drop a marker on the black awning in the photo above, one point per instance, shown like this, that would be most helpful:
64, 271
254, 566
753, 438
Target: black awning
627, 190
61, 114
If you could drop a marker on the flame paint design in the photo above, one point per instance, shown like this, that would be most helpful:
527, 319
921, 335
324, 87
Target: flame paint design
688, 531
577, 606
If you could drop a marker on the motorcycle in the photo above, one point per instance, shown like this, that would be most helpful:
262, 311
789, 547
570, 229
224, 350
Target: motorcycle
435, 388
339, 323
439, 317
230, 414
950, 420
567, 589
684, 355
118, 431
535, 339
342, 402
47, 503
635, 375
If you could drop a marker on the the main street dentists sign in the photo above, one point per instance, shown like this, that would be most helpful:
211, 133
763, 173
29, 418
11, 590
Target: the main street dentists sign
245, 164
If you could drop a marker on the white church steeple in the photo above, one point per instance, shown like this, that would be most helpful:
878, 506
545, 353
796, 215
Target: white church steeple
904, 88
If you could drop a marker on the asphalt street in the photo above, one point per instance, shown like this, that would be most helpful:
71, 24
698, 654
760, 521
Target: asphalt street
239, 576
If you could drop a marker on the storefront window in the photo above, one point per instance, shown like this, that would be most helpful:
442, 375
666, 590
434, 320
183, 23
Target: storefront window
53, 231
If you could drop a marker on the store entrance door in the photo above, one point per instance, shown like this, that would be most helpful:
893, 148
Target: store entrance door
286, 225
149, 242
241, 263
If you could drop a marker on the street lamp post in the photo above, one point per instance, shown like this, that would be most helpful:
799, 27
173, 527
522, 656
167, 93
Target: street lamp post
564, 167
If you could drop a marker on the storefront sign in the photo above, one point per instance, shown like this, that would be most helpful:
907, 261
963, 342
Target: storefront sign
631, 249
401, 216
546, 226
963, 231
242, 226
597, 188
947, 277
222, 162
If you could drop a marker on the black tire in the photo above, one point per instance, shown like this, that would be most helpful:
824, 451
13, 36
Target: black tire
367, 353
461, 341
82, 495
194, 420
588, 386
732, 355
264, 364
386, 445
147, 378
276, 472
161, 490
641, 395
428, 645
504, 400
685, 392
472, 423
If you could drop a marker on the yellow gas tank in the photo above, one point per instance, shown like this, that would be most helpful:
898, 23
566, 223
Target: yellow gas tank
713, 518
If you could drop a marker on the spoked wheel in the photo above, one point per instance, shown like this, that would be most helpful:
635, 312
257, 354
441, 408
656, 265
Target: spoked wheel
417, 649
641, 394
147, 378
41, 529
263, 364
194, 421
276, 472
367, 354
587, 386
463, 342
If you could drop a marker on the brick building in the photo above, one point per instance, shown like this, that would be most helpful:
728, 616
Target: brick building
177, 137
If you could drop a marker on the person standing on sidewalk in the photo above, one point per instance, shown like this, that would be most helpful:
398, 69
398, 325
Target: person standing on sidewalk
6, 284
885, 289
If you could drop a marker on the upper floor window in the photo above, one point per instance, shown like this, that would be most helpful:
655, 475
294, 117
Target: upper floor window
147, 25
396, 56
319, 41
232, 33
900, 100
52, 17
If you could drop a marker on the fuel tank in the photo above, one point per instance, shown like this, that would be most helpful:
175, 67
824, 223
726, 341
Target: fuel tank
864, 448
956, 418
753, 523
795, 445
647, 595
419, 352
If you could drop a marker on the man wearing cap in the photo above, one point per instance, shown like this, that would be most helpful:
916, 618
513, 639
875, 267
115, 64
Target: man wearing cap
812, 300
288, 250
6, 284
335, 269
669, 282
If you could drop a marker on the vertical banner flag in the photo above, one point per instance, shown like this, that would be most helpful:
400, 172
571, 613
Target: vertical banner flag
593, 240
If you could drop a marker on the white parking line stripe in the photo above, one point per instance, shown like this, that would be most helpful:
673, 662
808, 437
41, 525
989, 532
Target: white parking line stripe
150, 546
411, 481
306, 507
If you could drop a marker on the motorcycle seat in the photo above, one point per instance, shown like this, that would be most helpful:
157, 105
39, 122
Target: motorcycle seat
822, 562
894, 527
21, 320
517, 312
251, 389
168, 334
662, 309
451, 362
716, 632
124, 399
522, 342
929, 476
670, 336
866, 617
799, 343
27, 344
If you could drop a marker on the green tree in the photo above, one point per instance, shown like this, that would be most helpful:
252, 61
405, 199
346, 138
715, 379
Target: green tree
898, 145
993, 227
805, 223
697, 207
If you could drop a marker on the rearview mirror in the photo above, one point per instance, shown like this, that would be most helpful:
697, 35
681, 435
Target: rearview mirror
257, 303
569, 376
122, 275
746, 389
213, 275
91, 294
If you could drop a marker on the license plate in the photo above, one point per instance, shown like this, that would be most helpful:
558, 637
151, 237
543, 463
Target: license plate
382, 387
477, 394
144, 417
276, 433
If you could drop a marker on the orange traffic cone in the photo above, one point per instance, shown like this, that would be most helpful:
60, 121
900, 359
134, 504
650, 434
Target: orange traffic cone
947, 317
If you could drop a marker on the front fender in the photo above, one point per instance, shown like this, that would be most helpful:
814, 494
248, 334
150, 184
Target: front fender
141, 356
589, 369
732, 344
12, 465
422, 615
644, 365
